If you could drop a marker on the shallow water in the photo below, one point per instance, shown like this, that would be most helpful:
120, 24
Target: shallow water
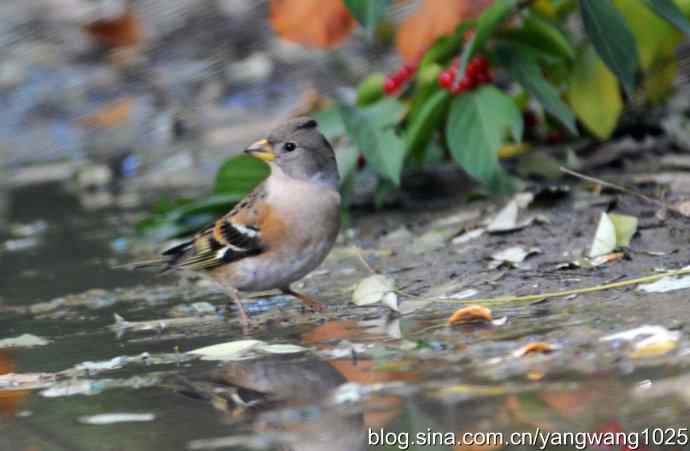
365, 373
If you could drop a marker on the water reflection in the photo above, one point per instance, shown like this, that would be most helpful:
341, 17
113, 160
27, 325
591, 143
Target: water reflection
286, 398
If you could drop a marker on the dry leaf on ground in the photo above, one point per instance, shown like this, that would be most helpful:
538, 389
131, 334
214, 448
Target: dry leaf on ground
471, 313
23, 341
113, 418
650, 341
613, 231
536, 347
374, 289
666, 284
241, 349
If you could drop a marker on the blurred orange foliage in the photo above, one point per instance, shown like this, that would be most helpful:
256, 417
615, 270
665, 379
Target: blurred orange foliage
121, 31
313, 23
327, 23
111, 115
432, 19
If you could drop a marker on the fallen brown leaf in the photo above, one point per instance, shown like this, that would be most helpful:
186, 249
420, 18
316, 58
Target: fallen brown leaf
313, 23
535, 375
432, 19
10, 400
471, 313
120, 31
110, 115
536, 347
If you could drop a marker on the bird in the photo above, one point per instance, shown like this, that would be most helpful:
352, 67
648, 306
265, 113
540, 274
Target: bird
282, 230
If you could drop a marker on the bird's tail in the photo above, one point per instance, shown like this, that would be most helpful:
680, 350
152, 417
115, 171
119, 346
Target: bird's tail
164, 263
160, 264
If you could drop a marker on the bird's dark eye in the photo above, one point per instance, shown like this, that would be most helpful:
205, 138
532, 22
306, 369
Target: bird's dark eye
289, 147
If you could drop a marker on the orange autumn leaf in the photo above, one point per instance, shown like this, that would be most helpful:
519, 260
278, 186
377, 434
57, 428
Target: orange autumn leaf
111, 115
332, 331
533, 348
120, 31
432, 19
313, 23
470, 313
10, 399
534, 375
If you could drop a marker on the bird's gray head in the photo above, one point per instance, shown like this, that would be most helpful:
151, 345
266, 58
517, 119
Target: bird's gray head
300, 151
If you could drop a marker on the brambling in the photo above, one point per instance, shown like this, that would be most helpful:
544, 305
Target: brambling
282, 230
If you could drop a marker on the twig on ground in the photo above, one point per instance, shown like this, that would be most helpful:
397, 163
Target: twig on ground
615, 186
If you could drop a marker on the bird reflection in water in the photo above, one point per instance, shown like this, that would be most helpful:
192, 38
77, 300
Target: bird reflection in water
285, 397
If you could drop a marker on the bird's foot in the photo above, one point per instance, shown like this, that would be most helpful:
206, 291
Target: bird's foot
308, 301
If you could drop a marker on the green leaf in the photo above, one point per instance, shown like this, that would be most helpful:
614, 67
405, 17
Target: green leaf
385, 113
671, 12
330, 123
593, 94
658, 82
372, 132
370, 89
612, 39
240, 175
486, 24
477, 126
656, 39
347, 162
367, 12
426, 84
426, 122
626, 227
446, 46
544, 35
524, 70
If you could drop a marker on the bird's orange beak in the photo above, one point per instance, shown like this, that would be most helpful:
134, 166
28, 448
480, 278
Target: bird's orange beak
262, 149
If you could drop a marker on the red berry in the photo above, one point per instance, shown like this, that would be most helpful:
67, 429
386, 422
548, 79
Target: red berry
399, 78
445, 79
482, 78
457, 89
482, 63
361, 161
473, 67
408, 71
466, 84
390, 86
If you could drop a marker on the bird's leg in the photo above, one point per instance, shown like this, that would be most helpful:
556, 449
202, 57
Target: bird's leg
306, 300
234, 295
